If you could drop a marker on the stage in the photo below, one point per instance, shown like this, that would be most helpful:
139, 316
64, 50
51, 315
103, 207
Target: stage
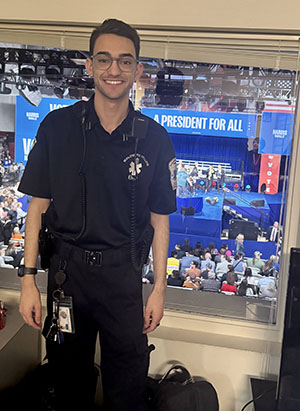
210, 218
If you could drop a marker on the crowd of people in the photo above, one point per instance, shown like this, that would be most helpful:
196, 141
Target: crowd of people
217, 270
13, 211
194, 178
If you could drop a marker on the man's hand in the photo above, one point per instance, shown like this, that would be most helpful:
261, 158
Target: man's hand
30, 304
154, 311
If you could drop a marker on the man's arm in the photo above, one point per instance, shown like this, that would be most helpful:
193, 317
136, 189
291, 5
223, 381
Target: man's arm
30, 301
155, 304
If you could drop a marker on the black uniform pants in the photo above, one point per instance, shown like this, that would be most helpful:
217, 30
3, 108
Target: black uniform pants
106, 299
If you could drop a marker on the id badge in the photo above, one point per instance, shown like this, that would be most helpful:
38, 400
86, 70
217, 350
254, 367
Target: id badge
65, 315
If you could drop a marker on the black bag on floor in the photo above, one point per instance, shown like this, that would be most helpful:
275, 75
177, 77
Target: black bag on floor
177, 390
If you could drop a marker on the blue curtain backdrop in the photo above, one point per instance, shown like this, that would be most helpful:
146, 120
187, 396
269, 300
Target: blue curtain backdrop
209, 148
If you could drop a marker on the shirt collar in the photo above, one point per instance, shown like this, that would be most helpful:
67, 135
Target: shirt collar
124, 127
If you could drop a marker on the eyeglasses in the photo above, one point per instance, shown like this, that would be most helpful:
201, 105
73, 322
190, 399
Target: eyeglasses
104, 62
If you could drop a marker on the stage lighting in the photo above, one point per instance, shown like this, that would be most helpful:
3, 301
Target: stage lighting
248, 188
214, 185
236, 187
202, 185
211, 200
32, 94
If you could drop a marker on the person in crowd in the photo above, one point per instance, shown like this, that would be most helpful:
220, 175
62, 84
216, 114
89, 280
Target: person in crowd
193, 269
16, 235
175, 279
207, 271
255, 261
247, 286
210, 175
227, 252
230, 269
220, 174
198, 250
267, 268
172, 263
229, 285
11, 251
20, 215
192, 281
222, 266
190, 185
2, 260
104, 256
182, 176
179, 251
238, 264
186, 246
217, 258
207, 259
211, 283
273, 233
275, 260
267, 287
194, 170
239, 244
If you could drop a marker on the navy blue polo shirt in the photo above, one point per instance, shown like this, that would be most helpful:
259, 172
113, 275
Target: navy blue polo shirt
52, 171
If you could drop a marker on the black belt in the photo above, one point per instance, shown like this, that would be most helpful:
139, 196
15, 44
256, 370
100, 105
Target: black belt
97, 258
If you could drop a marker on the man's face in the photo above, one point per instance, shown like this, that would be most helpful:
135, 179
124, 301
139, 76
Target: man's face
113, 84
275, 224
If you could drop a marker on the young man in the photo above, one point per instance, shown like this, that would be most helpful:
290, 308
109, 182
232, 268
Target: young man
102, 174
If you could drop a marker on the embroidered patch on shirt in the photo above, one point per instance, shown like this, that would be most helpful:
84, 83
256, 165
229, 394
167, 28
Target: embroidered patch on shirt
172, 169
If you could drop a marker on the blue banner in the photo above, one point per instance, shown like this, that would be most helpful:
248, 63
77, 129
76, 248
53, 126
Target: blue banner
276, 133
204, 123
28, 119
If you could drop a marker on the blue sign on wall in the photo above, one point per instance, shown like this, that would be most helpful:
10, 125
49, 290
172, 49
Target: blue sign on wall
28, 119
276, 133
205, 123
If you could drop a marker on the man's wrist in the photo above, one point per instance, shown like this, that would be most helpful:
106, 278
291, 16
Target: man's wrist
22, 271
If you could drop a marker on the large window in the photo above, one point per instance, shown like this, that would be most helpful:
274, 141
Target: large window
231, 125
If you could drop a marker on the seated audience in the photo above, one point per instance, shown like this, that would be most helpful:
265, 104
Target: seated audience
172, 263
227, 252
255, 262
208, 269
175, 279
247, 286
221, 267
16, 235
180, 252
186, 261
267, 287
186, 246
268, 268
230, 269
11, 250
198, 250
222, 251
238, 264
192, 282
229, 285
211, 283
207, 259
193, 270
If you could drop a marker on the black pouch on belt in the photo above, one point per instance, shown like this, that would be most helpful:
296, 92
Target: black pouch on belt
45, 245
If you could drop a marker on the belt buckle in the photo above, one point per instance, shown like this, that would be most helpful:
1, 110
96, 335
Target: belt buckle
93, 258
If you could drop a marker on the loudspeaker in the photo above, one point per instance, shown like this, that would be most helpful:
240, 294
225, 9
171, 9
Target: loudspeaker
258, 203
187, 210
288, 394
229, 201
248, 228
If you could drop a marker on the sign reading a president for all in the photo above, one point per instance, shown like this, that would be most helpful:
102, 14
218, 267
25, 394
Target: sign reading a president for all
241, 125
28, 119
